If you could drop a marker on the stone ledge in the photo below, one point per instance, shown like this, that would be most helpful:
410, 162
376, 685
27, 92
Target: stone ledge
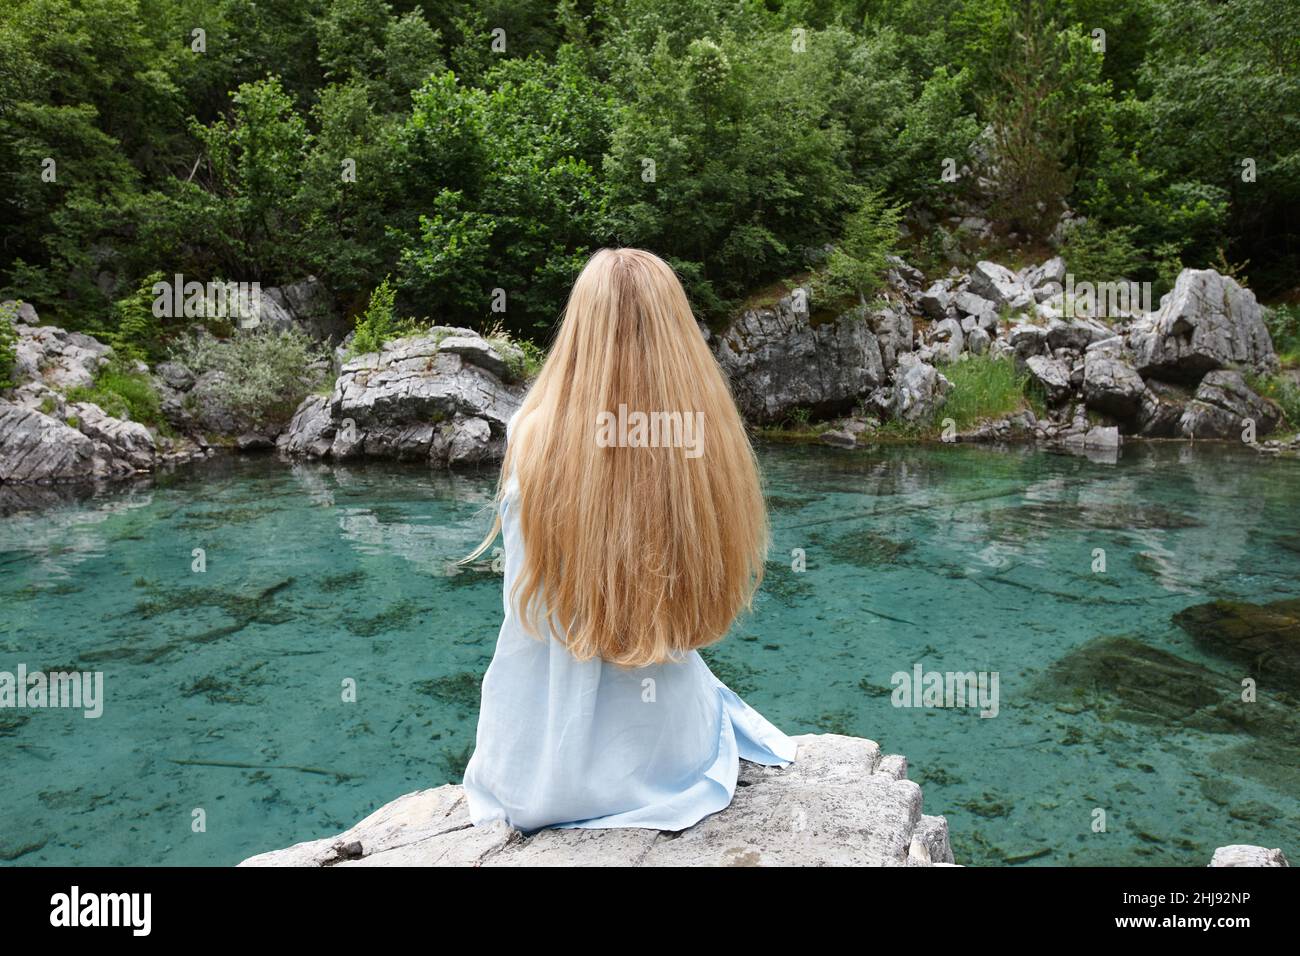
842, 803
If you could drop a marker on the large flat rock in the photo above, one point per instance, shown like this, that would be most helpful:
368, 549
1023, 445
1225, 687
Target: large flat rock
841, 803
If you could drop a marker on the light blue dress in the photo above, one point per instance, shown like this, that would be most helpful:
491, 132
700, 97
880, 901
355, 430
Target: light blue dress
569, 743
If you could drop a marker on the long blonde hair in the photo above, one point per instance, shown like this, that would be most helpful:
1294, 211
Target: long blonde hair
635, 555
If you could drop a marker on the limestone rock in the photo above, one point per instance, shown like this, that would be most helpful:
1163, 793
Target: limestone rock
1221, 406
1241, 854
841, 803
1207, 322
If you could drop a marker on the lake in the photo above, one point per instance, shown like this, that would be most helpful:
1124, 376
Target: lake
1118, 738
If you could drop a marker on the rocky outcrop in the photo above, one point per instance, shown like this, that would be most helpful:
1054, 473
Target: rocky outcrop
1222, 406
778, 360
306, 305
841, 803
1241, 854
1207, 322
439, 396
37, 447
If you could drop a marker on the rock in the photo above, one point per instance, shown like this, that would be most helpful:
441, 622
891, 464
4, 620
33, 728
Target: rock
1240, 854
1110, 384
36, 447
839, 804
968, 303
1027, 339
838, 438
1264, 638
894, 332
1207, 322
412, 400
1160, 410
24, 313
919, 390
1221, 406
1076, 334
254, 441
949, 334
1100, 438
934, 301
999, 285
977, 341
211, 408
311, 431
477, 351
777, 361
175, 375
130, 443
1050, 273
56, 358
306, 305
1053, 375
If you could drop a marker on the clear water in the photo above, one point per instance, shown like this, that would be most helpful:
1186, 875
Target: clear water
224, 689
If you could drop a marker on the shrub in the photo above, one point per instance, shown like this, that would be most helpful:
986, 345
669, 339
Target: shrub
1095, 253
1283, 323
1281, 390
379, 323
857, 264
123, 392
267, 374
8, 344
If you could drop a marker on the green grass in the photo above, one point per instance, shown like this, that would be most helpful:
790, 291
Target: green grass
984, 388
122, 393
1281, 390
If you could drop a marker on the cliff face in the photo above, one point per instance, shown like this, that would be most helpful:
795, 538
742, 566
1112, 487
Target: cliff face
842, 803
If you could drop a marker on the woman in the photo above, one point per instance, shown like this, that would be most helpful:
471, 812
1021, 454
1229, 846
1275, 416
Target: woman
634, 532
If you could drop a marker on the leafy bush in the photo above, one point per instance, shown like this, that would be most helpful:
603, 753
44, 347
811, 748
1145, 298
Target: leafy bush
267, 374
857, 264
1281, 390
379, 323
1283, 324
1095, 253
8, 344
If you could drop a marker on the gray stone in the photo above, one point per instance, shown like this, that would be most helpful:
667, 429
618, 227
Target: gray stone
968, 303
1076, 333
130, 442
977, 341
175, 375
893, 328
999, 285
935, 300
1110, 384
840, 438
35, 447
1221, 406
306, 305
919, 390
841, 803
1161, 410
1053, 375
1242, 854
1027, 339
949, 334
1207, 322
777, 361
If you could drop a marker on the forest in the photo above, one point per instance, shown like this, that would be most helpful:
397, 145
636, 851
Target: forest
422, 158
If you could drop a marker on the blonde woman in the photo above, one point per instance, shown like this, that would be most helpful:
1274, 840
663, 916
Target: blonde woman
634, 532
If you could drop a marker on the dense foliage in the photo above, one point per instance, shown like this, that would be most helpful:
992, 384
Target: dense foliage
477, 152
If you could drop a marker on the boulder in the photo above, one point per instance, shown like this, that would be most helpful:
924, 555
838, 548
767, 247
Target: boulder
1207, 322
841, 803
999, 285
951, 339
1242, 854
1053, 375
919, 390
1110, 383
777, 360
57, 358
413, 400
130, 443
1027, 339
306, 305
935, 300
968, 303
1160, 410
1222, 405
977, 341
1076, 334
36, 447
893, 328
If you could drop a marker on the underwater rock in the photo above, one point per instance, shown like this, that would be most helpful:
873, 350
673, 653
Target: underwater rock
841, 803
1262, 637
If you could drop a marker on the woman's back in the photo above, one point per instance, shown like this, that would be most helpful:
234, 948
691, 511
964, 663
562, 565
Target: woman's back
625, 726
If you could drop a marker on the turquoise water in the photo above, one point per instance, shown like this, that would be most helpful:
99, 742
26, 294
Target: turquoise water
225, 689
